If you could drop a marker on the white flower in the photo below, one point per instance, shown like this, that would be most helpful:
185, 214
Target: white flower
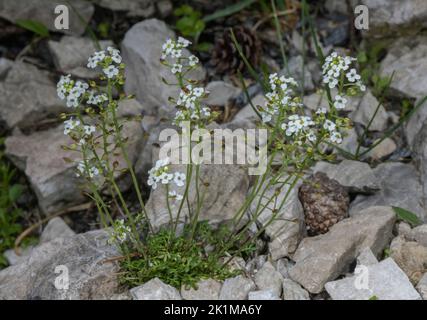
72, 101
266, 117
120, 232
70, 125
165, 178
111, 71
174, 195
183, 42
193, 60
176, 68
89, 130
179, 179
311, 136
198, 92
352, 75
176, 53
329, 125
321, 110
95, 59
340, 102
335, 137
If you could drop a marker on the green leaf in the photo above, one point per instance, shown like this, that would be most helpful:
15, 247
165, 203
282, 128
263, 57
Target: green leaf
204, 46
407, 216
34, 26
15, 192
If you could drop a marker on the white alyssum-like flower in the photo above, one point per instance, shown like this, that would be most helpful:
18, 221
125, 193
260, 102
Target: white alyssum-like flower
88, 130
179, 179
321, 110
96, 99
335, 137
340, 102
329, 125
193, 61
160, 173
70, 125
111, 71
96, 59
81, 170
176, 68
63, 86
297, 124
174, 195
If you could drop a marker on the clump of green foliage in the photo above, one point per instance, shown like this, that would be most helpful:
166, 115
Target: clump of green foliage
9, 211
180, 260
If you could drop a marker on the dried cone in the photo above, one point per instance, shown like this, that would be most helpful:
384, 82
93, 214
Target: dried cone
325, 202
225, 56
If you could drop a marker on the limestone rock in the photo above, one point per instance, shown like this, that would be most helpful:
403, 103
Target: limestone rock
71, 54
236, 288
44, 11
206, 290
293, 291
155, 289
268, 278
27, 96
56, 228
386, 281
323, 258
400, 187
411, 258
83, 255
422, 286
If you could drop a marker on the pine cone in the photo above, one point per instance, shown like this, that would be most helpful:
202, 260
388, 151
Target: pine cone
225, 56
325, 202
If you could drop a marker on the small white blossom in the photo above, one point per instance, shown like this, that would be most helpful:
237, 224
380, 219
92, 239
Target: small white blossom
174, 195
183, 42
111, 71
176, 68
329, 125
193, 61
335, 137
179, 179
352, 75
340, 102
88, 130
70, 125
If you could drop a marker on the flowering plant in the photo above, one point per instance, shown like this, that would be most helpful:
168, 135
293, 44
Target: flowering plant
297, 139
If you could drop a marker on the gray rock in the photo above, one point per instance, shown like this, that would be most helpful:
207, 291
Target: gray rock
256, 263
415, 123
410, 256
382, 150
283, 265
83, 254
287, 225
268, 278
71, 54
263, 295
247, 117
155, 289
419, 234
392, 17
220, 93
422, 286
13, 258
408, 61
56, 228
44, 11
28, 96
295, 66
164, 7
133, 8
366, 258
386, 281
293, 291
404, 229
236, 288
420, 155
41, 156
206, 290
5, 66
323, 258
339, 6
224, 185
356, 175
142, 48
399, 187
365, 107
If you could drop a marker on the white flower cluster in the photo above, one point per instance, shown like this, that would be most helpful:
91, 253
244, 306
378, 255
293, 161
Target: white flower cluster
174, 50
108, 59
279, 97
71, 90
120, 232
96, 99
299, 125
190, 105
334, 69
160, 173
